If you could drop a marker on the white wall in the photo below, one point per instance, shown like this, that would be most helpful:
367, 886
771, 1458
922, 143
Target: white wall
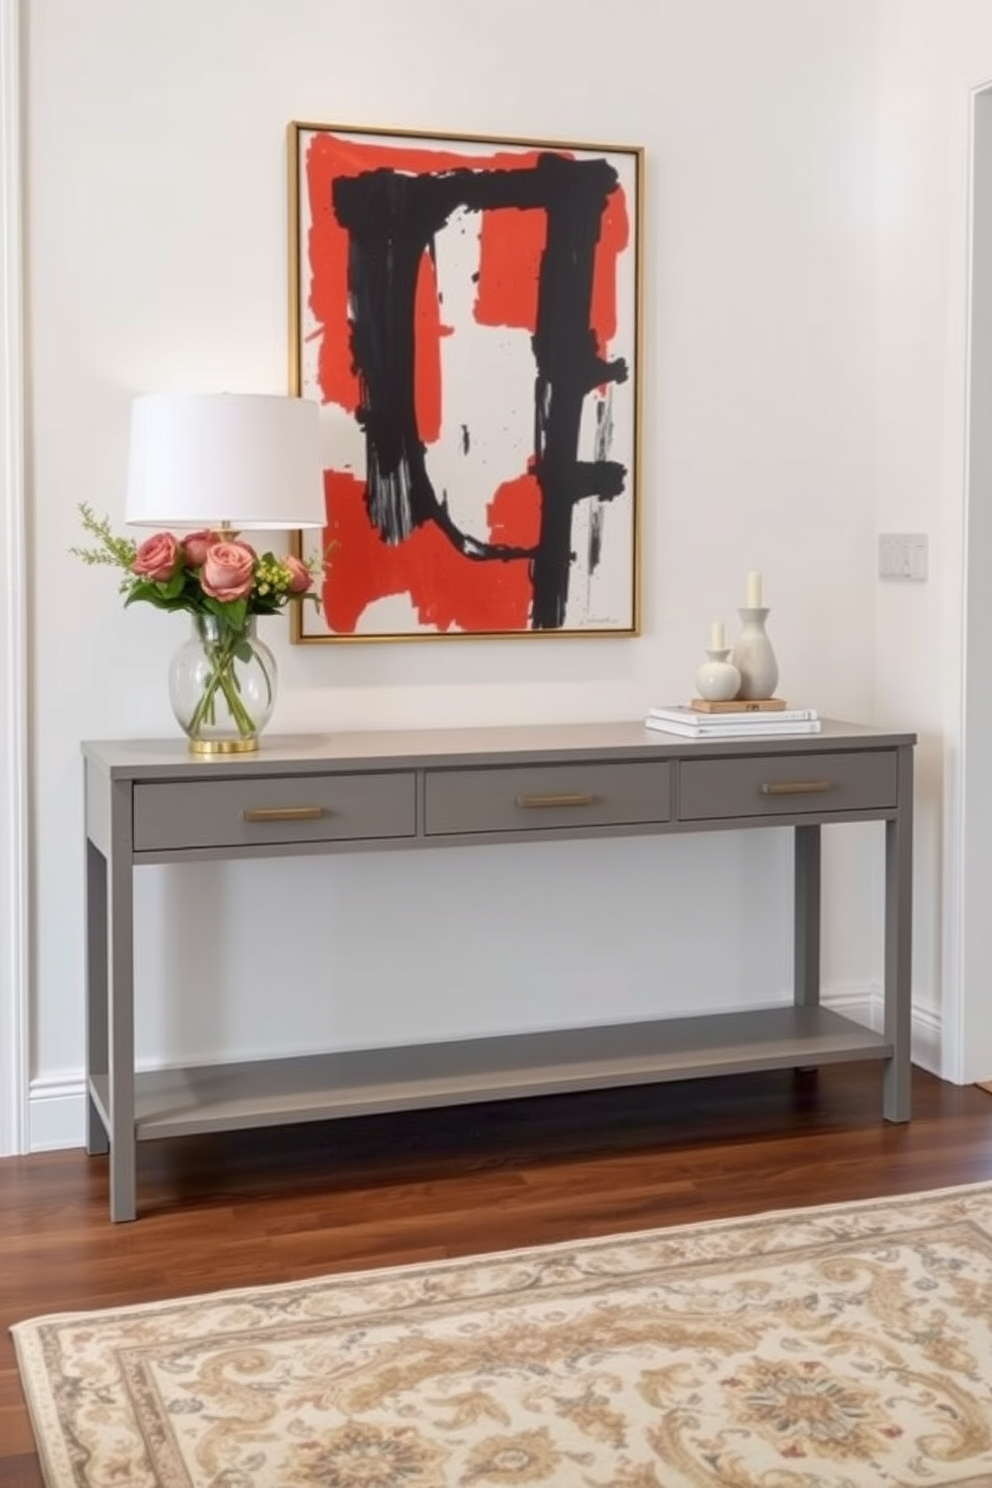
931, 666
157, 257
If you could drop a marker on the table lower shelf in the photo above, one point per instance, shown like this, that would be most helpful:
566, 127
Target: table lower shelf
227, 1097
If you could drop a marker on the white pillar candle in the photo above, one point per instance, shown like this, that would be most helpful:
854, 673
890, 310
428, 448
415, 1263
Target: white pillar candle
753, 601
718, 636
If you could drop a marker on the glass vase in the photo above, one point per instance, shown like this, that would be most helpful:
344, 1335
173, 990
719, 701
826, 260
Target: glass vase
222, 686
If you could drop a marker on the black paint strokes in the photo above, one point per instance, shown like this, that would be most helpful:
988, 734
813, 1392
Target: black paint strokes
392, 220
602, 445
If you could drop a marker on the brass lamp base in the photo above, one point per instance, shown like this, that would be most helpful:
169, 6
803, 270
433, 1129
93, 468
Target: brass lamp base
223, 746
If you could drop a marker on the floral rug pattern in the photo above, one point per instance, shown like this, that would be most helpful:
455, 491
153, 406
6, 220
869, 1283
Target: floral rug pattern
848, 1346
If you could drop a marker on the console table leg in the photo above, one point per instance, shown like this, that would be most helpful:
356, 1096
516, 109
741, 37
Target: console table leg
806, 938
899, 947
123, 1200
97, 1045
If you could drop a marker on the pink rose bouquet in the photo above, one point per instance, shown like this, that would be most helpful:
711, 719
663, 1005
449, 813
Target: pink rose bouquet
222, 582
204, 573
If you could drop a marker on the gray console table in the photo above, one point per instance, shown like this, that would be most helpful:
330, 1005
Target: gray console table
152, 802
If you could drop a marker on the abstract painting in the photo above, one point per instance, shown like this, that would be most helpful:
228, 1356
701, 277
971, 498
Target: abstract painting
467, 314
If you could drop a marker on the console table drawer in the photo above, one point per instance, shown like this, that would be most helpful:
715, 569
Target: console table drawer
285, 808
538, 797
787, 785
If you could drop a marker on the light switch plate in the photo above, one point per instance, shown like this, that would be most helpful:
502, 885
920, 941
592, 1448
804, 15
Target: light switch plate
903, 555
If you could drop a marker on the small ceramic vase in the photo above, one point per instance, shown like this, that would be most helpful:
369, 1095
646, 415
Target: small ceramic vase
718, 679
754, 656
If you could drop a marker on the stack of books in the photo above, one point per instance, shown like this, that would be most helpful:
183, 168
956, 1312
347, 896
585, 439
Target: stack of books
736, 721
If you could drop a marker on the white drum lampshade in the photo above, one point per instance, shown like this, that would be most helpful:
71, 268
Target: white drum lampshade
239, 460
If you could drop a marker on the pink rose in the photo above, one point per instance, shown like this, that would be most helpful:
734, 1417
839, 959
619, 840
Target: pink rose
195, 546
156, 557
228, 571
300, 577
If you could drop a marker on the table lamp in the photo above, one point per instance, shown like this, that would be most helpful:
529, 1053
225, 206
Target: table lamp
239, 461
219, 465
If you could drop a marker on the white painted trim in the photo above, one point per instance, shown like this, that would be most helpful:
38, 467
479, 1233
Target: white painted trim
57, 1116
963, 970
866, 1004
954, 958
14, 919
928, 1039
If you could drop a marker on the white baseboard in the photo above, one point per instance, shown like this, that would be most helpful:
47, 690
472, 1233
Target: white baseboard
57, 1104
864, 1005
56, 1113
928, 1040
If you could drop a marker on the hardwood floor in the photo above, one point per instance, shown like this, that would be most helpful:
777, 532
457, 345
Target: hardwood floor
251, 1208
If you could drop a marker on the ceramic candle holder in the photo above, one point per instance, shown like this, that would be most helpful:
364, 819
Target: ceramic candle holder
754, 655
718, 680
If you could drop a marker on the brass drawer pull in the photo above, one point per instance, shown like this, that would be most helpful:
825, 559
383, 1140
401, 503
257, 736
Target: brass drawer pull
282, 813
796, 787
579, 798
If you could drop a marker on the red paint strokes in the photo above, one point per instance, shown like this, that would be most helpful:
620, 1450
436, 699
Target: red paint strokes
346, 590
330, 156
327, 254
428, 331
515, 513
511, 242
614, 235
446, 590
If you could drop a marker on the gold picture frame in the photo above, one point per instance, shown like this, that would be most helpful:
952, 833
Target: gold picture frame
467, 312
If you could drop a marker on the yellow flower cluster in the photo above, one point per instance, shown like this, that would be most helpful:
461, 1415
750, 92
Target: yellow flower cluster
271, 576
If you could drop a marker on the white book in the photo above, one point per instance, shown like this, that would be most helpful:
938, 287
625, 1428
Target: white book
732, 730
682, 713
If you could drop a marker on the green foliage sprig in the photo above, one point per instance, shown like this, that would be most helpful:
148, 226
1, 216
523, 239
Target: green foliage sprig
203, 573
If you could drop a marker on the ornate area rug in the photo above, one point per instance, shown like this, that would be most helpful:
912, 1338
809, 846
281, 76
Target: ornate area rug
840, 1347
